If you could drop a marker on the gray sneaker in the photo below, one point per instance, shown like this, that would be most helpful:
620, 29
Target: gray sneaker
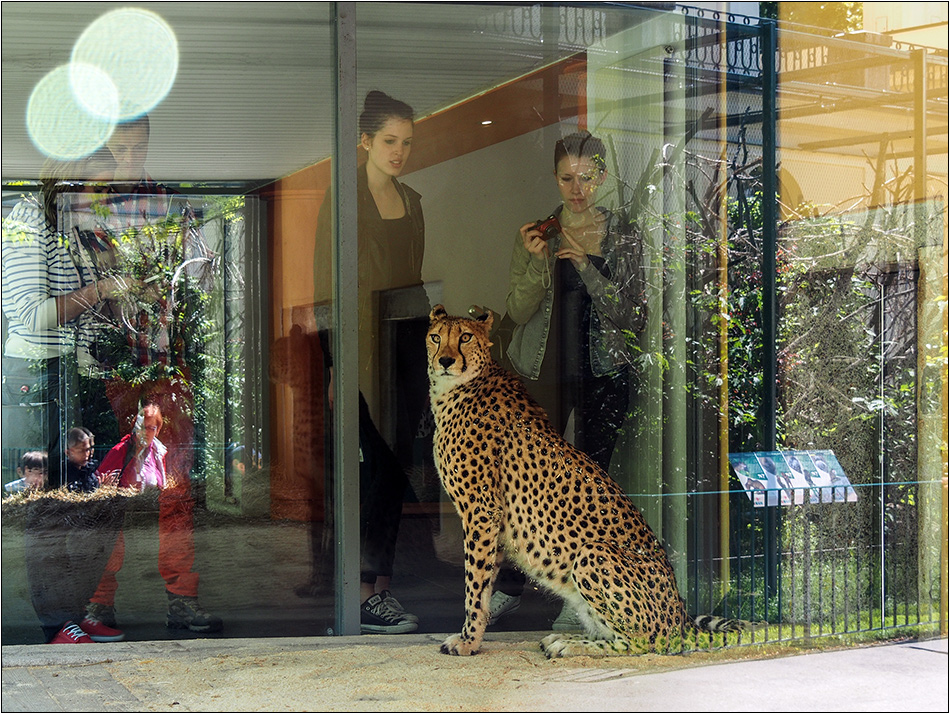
567, 621
502, 604
184, 613
101, 613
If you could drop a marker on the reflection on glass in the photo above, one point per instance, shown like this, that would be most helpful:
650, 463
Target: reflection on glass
135, 54
109, 298
59, 125
576, 297
116, 289
391, 241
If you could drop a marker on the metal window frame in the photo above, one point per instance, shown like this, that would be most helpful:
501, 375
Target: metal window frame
345, 324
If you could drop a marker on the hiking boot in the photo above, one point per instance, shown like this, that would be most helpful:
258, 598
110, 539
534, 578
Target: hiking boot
396, 607
184, 613
376, 617
101, 613
71, 634
98, 631
502, 604
567, 621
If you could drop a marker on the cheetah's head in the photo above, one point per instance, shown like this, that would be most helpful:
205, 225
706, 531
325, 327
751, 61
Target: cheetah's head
458, 349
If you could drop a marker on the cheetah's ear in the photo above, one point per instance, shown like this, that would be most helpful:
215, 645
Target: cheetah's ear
438, 313
487, 318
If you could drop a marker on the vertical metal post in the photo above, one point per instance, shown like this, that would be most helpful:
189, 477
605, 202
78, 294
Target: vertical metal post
931, 418
768, 42
673, 504
919, 63
722, 279
228, 477
345, 323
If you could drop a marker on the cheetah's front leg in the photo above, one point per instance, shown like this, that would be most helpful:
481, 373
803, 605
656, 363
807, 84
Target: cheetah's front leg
481, 548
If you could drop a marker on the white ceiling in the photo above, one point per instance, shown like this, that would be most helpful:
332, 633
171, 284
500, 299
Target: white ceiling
253, 96
252, 100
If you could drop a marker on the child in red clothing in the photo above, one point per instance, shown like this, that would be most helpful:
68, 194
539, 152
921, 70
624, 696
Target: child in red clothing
139, 460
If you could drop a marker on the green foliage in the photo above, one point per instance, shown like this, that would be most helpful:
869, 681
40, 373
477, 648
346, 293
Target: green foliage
169, 320
847, 381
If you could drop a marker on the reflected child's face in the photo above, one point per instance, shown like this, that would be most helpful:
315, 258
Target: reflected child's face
80, 453
146, 430
34, 477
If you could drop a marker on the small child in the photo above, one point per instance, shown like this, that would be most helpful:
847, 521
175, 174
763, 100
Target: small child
33, 468
80, 467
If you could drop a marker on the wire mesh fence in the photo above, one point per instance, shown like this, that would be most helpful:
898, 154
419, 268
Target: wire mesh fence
832, 566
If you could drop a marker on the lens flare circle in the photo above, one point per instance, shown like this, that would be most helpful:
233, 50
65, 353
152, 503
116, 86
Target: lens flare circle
59, 125
136, 49
94, 90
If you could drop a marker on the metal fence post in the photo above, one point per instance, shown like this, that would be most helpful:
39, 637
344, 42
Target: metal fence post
769, 45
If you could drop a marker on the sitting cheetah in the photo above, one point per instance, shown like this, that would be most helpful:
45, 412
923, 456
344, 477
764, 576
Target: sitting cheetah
518, 485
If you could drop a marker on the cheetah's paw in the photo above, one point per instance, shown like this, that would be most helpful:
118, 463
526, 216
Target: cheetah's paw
457, 645
559, 644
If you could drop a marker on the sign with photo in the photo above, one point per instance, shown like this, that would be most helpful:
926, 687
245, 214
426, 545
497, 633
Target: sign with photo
792, 477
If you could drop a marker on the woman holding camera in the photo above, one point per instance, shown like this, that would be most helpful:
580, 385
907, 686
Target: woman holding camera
576, 293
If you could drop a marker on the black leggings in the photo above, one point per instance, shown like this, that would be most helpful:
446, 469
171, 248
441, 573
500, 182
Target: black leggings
382, 488
600, 407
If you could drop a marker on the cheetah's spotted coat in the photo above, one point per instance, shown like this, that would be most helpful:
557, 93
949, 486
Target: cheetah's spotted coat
518, 485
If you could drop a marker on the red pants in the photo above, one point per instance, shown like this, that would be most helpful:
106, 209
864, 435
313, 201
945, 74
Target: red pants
176, 548
176, 542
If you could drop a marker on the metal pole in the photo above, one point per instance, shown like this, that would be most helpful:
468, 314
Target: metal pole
769, 43
346, 445
722, 271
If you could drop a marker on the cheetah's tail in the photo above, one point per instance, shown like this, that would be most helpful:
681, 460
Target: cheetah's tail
711, 623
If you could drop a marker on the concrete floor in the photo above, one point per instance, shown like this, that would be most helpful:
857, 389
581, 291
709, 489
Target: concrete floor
407, 673
272, 656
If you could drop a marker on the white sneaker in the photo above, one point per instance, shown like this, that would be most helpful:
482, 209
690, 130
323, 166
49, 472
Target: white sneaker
567, 620
502, 604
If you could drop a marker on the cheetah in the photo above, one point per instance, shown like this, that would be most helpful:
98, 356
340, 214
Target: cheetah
519, 486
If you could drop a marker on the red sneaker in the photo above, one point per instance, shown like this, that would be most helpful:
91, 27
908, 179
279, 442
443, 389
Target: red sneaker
98, 632
71, 634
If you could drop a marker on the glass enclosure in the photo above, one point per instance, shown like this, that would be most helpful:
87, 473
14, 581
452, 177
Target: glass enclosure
740, 316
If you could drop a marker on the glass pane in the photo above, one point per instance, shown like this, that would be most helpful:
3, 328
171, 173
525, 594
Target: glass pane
531, 77
856, 271
138, 283
199, 268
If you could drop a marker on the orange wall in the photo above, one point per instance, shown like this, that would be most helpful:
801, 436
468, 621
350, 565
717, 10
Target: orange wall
516, 108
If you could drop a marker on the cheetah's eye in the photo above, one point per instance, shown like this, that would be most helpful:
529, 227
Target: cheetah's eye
435, 338
466, 337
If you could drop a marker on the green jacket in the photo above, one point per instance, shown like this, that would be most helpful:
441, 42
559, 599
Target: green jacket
618, 301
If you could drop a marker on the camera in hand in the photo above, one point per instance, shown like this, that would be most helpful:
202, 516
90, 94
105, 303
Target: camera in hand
549, 227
